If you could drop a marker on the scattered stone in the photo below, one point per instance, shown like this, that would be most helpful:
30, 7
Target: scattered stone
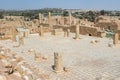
31, 51
93, 41
110, 45
97, 41
37, 57
15, 68
66, 69
45, 57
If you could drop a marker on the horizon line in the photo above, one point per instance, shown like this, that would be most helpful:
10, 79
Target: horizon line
63, 9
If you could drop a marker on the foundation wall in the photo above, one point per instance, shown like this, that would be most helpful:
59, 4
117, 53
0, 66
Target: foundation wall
92, 31
107, 26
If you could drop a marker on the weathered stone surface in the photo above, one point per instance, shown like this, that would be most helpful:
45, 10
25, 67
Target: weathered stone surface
65, 33
115, 39
41, 30
13, 34
37, 57
77, 34
68, 32
57, 31
15, 68
58, 65
21, 41
67, 69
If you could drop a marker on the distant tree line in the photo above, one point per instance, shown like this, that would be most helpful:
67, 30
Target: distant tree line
91, 15
33, 14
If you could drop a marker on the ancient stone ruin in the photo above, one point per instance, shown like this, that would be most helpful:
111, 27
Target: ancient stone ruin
58, 65
89, 48
115, 39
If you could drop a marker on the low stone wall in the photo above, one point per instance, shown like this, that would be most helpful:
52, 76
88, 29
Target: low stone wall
57, 31
92, 31
118, 33
107, 25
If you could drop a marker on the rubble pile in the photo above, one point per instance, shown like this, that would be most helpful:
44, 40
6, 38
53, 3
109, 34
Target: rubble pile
14, 67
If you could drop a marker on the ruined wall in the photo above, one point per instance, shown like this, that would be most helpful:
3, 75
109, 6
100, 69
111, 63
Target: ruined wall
118, 33
107, 25
7, 32
92, 31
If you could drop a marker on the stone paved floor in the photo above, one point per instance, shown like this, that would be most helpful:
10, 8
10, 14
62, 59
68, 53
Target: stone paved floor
86, 61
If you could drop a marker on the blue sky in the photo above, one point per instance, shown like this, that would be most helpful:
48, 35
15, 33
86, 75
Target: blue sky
79, 4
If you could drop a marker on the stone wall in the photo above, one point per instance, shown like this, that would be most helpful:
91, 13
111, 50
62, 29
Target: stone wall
7, 32
118, 33
92, 31
107, 26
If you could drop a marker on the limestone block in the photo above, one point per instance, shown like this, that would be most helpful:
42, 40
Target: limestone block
37, 57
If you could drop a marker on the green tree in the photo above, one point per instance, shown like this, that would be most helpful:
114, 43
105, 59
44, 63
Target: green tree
1, 15
65, 13
102, 12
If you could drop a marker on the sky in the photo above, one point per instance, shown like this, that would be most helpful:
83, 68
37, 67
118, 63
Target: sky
65, 4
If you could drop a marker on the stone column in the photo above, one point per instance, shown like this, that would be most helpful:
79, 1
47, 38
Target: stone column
68, 32
77, 34
65, 33
58, 67
37, 56
21, 41
32, 24
70, 18
40, 18
13, 34
24, 34
41, 30
75, 21
49, 17
115, 39
49, 20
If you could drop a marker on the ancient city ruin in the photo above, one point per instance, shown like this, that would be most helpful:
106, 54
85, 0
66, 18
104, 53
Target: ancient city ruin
59, 48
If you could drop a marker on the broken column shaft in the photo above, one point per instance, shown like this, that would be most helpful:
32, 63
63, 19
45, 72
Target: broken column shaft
77, 34
65, 33
21, 41
13, 35
49, 20
25, 34
115, 38
41, 30
68, 32
58, 67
